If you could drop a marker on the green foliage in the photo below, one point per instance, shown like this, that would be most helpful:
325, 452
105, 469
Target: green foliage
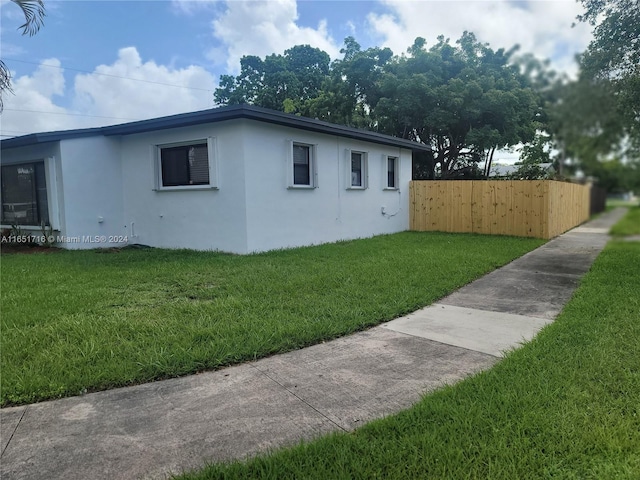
465, 100
629, 224
617, 177
530, 171
588, 125
536, 151
585, 120
75, 321
563, 406
280, 82
531, 157
614, 56
304, 82
595, 120
615, 50
353, 86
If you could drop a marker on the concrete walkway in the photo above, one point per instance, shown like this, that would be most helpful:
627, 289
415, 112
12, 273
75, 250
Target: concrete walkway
151, 430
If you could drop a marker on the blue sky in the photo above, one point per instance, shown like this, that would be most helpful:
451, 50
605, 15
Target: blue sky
76, 72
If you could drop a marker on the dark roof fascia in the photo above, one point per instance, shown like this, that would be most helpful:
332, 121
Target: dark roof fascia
48, 137
219, 115
320, 126
251, 112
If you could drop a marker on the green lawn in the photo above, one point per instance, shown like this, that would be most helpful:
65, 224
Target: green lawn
629, 225
615, 203
566, 405
76, 321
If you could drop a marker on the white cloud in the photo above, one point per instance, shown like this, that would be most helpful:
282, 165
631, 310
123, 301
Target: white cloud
265, 27
539, 27
159, 90
262, 28
351, 27
191, 7
33, 95
104, 97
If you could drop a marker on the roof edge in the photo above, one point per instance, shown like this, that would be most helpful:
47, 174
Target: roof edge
215, 115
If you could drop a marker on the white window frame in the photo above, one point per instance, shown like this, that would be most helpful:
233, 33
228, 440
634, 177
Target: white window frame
385, 169
212, 159
313, 167
364, 172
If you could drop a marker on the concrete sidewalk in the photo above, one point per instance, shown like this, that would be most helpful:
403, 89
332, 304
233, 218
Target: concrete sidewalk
152, 430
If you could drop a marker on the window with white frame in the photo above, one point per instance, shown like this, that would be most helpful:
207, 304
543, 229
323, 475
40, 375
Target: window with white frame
24, 194
187, 165
358, 170
392, 173
302, 167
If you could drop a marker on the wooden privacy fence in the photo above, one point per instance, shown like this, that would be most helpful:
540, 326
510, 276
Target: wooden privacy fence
524, 208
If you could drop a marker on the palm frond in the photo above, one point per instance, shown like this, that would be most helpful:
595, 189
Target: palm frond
5, 82
34, 13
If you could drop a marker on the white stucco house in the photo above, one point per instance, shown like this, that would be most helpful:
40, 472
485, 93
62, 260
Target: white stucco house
237, 179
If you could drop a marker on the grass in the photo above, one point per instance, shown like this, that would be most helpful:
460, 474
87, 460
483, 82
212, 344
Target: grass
629, 224
566, 405
615, 203
78, 321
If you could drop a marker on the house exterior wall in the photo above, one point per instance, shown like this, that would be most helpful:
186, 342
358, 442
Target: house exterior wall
91, 179
280, 217
103, 190
202, 219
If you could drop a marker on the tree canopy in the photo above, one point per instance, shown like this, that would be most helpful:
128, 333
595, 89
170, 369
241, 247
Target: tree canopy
465, 100
613, 57
348, 92
281, 82
615, 49
594, 120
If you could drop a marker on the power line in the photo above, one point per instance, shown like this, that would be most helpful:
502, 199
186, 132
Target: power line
108, 75
69, 114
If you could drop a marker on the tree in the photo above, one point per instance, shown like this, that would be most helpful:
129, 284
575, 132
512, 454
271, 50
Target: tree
614, 56
280, 82
585, 121
615, 49
617, 177
532, 155
587, 125
34, 13
347, 94
595, 120
465, 100
303, 81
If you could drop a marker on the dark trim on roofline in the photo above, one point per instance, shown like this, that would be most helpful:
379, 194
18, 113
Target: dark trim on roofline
214, 115
46, 137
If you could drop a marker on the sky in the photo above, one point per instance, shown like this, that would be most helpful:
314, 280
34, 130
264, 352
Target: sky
101, 62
